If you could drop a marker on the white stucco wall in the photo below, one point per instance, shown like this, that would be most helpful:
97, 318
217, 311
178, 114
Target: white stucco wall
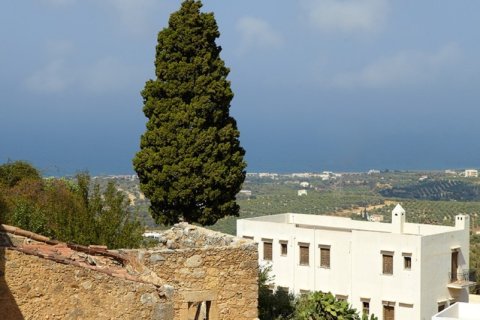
368, 281
436, 266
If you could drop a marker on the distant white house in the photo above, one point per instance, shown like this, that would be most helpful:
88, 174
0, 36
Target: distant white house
302, 192
268, 175
304, 184
398, 270
151, 235
301, 175
375, 218
471, 173
247, 193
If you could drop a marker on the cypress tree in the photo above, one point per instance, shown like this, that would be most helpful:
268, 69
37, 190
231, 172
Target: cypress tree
190, 162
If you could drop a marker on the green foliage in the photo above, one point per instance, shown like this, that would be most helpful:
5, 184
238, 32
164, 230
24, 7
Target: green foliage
12, 172
103, 217
436, 190
272, 305
114, 226
279, 197
70, 211
190, 162
324, 306
313, 306
475, 259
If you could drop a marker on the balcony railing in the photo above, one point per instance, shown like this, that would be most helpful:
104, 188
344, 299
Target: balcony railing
464, 278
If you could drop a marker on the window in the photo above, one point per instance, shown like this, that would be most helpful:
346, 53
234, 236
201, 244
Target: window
454, 266
388, 312
283, 248
387, 263
366, 307
441, 306
407, 261
341, 297
325, 256
303, 291
199, 310
267, 250
304, 254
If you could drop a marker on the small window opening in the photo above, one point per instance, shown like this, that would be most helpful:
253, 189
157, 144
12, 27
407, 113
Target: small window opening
199, 310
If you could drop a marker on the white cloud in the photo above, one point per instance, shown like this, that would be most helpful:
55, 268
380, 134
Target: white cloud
106, 75
134, 14
403, 69
61, 73
52, 78
347, 16
257, 33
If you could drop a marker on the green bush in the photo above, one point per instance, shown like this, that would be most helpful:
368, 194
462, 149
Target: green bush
72, 212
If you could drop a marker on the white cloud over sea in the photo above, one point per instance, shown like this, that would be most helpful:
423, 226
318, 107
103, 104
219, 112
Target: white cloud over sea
405, 68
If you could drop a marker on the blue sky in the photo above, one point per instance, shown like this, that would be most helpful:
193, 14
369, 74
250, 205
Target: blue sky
343, 85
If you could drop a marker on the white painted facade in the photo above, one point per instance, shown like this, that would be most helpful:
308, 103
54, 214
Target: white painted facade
459, 311
421, 257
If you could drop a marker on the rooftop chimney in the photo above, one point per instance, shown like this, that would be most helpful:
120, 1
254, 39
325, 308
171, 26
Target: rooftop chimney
462, 221
398, 219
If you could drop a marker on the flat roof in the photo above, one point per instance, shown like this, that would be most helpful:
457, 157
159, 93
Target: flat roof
333, 222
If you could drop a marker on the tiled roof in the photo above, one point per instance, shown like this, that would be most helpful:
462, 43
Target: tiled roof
96, 258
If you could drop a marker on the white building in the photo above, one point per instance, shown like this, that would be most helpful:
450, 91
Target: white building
471, 173
395, 270
247, 193
304, 184
152, 235
302, 192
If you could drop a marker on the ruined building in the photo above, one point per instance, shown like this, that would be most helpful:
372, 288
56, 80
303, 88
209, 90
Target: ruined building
194, 273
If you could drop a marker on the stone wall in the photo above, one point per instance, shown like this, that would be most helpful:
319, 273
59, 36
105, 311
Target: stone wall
210, 267
194, 273
36, 288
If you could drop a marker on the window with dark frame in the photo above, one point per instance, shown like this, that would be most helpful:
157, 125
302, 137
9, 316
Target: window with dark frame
441, 306
387, 263
388, 312
304, 254
267, 250
325, 257
366, 307
283, 248
407, 262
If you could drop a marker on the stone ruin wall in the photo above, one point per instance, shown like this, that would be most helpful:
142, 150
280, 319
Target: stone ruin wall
37, 288
204, 265
194, 264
